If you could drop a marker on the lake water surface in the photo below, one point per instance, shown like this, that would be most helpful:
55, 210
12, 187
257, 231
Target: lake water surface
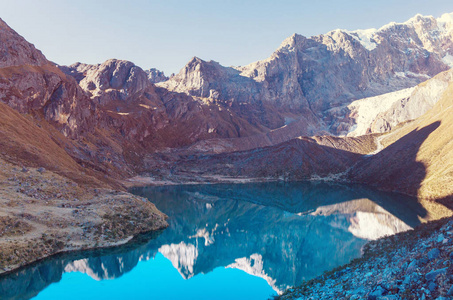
226, 241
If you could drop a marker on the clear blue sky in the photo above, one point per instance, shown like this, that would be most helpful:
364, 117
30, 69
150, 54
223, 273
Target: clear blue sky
166, 34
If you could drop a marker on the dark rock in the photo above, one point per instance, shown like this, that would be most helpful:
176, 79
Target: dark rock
378, 292
389, 297
440, 238
433, 254
423, 261
412, 266
450, 291
433, 274
41, 170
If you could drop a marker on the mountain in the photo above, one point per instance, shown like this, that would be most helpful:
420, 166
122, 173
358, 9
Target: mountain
411, 154
315, 78
110, 114
132, 106
155, 76
367, 106
118, 120
417, 157
383, 113
31, 84
59, 186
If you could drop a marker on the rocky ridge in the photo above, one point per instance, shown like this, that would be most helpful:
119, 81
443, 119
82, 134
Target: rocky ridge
155, 76
410, 159
317, 76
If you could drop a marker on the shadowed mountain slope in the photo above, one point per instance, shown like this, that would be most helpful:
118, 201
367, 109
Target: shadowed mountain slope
422, 169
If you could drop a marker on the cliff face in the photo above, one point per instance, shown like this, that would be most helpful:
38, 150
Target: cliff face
29, 83
319, 75
131, 106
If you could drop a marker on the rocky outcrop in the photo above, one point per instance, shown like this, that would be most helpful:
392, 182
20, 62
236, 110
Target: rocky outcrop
321, 74
155, 76
44, 213
133, 106
112, 80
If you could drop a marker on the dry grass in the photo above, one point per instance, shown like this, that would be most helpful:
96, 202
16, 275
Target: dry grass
43, 213
436, 152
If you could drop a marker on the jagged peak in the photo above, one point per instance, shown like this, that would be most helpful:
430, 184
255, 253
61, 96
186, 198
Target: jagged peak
292, 41
116, 62
155, 75
446, 20
196, 63
195, 58
418, 18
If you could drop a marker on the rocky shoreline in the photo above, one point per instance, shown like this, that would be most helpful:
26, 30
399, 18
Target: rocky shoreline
43, 213
416, 264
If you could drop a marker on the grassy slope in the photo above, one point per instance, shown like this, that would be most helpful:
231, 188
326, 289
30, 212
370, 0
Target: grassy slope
418, 158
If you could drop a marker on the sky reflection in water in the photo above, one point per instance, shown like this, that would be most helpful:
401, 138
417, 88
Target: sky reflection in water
246, 241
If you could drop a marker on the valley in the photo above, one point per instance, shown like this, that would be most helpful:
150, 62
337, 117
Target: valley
86, 149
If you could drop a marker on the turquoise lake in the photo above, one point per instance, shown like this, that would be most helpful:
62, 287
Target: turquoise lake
225, 241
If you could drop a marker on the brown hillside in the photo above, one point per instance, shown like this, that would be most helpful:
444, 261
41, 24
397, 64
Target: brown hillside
418, 158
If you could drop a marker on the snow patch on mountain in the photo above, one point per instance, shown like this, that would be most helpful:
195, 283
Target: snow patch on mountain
446, 21
366, 110
411, 74
365, 37
368, 220
448, 60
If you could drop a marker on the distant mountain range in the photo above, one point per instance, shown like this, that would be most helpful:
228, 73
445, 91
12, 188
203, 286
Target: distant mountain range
315, 78
288, 115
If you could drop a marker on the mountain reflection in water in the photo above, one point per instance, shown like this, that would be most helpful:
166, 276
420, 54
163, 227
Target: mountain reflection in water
282, 232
